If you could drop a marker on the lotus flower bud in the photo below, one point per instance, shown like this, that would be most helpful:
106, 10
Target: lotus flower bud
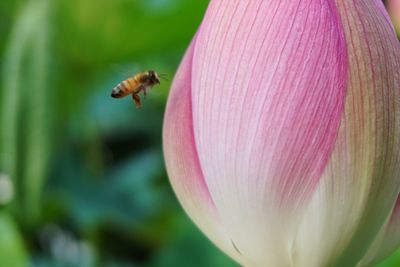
281, 134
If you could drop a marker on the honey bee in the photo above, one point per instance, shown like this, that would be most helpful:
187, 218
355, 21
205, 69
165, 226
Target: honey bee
142, 81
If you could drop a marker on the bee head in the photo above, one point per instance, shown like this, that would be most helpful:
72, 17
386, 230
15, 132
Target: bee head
153, 76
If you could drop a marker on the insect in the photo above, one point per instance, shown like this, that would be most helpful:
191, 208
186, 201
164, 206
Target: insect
141, 81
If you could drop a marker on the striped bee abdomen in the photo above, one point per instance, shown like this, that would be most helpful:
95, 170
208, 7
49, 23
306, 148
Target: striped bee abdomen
124, 88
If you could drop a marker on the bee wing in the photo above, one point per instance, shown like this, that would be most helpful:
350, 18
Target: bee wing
125, 70
163, 76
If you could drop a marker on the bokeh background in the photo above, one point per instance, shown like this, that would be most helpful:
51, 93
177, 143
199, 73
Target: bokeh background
82, 178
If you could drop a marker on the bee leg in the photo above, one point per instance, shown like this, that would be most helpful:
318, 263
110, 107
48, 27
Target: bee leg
136, 99
145, 92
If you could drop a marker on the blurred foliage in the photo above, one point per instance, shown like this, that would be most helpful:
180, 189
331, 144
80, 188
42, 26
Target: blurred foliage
82, 180
25, 137
86, 171
12, 252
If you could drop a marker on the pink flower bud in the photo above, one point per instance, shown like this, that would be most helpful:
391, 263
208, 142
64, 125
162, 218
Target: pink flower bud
282, 131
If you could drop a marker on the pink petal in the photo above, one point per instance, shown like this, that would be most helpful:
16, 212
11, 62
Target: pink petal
180, 149
361, 181
268, 91
182, 162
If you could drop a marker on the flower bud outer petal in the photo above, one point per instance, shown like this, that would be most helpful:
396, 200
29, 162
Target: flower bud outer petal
361, 182
268, 91
181, 159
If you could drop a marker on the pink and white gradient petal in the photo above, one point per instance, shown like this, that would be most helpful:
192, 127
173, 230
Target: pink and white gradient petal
361, 181
268, 91
182, 162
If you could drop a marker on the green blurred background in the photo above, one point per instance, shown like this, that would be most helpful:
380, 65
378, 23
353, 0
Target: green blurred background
82, 179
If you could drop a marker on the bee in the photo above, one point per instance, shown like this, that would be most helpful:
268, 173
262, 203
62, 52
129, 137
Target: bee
142, 81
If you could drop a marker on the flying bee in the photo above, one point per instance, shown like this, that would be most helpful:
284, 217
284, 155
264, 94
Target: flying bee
142, 81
